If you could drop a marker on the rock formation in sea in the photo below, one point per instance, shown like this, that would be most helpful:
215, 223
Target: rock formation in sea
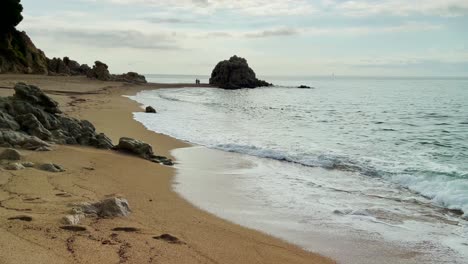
235, 73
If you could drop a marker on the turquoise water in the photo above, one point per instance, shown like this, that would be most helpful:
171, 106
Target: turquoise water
403, 140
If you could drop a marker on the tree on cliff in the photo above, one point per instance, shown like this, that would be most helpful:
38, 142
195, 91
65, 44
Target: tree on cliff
10, 14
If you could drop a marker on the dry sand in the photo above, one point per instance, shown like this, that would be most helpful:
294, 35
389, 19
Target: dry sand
93, 174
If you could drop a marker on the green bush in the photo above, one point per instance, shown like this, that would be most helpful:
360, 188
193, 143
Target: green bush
10, 14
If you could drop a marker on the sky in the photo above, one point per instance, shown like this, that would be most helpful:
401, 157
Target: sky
277, 37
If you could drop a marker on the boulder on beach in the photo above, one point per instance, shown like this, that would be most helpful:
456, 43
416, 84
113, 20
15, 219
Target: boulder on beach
141, 149
32, 119
107, 208
50, 167
150, 109
14, 166
10, 154
235, 73
136, 147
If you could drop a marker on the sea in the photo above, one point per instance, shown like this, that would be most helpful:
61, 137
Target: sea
361, 169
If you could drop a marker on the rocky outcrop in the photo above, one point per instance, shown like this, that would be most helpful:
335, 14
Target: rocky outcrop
130, 77
141, 149
303, 87
18, 54
32, 119
235, 73
66, 67
100, 71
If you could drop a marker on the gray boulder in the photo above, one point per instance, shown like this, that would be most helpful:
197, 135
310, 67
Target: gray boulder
50, 167
107, 208
141, 149
235, 73
10, 154
14, 166
136, 147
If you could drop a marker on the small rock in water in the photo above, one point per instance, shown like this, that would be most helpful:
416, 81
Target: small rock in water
73, 219
15, 166
51, 167
10, 154
150, 109
303, 87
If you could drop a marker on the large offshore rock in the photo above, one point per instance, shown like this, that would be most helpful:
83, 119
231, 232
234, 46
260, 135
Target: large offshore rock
235, 73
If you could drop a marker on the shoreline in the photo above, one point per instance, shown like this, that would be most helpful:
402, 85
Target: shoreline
157, 208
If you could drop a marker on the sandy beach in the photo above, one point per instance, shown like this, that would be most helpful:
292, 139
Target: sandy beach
93, 174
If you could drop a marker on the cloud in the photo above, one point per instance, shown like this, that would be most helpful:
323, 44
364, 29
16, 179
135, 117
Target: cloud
250, 7
110, 38
399, 7
273, 33
354, 8
325, 31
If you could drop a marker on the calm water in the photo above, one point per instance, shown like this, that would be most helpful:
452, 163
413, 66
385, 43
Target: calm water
377, 155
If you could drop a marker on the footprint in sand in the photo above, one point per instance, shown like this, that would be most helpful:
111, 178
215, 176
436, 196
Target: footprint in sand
169, 239
73, 228
63, 195
24, 218
126, 229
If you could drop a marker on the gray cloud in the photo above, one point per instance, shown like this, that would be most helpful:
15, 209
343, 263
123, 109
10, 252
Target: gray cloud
273, 33
111, 38
170, 20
